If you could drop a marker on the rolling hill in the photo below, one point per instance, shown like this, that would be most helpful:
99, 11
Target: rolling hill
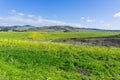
59, 28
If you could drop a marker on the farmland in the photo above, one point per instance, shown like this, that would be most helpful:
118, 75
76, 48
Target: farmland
53, 35
32, 56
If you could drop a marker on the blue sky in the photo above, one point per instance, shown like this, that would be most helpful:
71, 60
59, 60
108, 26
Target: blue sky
102, 14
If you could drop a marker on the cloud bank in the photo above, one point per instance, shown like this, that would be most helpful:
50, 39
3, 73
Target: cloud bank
21, 18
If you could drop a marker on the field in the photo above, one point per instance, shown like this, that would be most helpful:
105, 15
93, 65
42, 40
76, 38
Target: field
32, 56
53, 35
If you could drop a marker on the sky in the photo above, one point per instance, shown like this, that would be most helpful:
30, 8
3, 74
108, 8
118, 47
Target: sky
101, 14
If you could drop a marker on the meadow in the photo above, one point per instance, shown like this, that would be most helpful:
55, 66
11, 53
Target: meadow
22, 59
54, 35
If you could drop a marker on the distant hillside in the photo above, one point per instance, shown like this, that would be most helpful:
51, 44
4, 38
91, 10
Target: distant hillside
27, 28
57, 28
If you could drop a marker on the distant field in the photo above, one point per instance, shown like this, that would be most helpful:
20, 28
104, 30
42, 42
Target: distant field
52, 35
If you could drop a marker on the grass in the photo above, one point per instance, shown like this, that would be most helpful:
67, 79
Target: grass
13, 35
33, 60
40, 60
53, 35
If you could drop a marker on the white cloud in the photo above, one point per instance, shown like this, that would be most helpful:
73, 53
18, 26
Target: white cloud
21, 14
82, 17
21, 18
13, 11
116, 14
87, 19
31, 16
90, 20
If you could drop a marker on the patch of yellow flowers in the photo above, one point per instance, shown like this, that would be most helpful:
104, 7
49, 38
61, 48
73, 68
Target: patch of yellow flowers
36, 34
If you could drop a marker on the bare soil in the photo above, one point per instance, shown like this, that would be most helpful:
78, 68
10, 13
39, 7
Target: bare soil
101, 41
83, 71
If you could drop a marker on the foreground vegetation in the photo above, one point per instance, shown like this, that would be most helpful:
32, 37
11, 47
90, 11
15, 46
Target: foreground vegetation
21, 59
27, 60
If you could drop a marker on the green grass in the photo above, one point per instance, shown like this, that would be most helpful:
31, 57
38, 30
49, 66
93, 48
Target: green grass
21, 59
33, 60
13, 35
53, 35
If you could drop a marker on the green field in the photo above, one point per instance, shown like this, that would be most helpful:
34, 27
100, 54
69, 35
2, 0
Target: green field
53, 35
21, 59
